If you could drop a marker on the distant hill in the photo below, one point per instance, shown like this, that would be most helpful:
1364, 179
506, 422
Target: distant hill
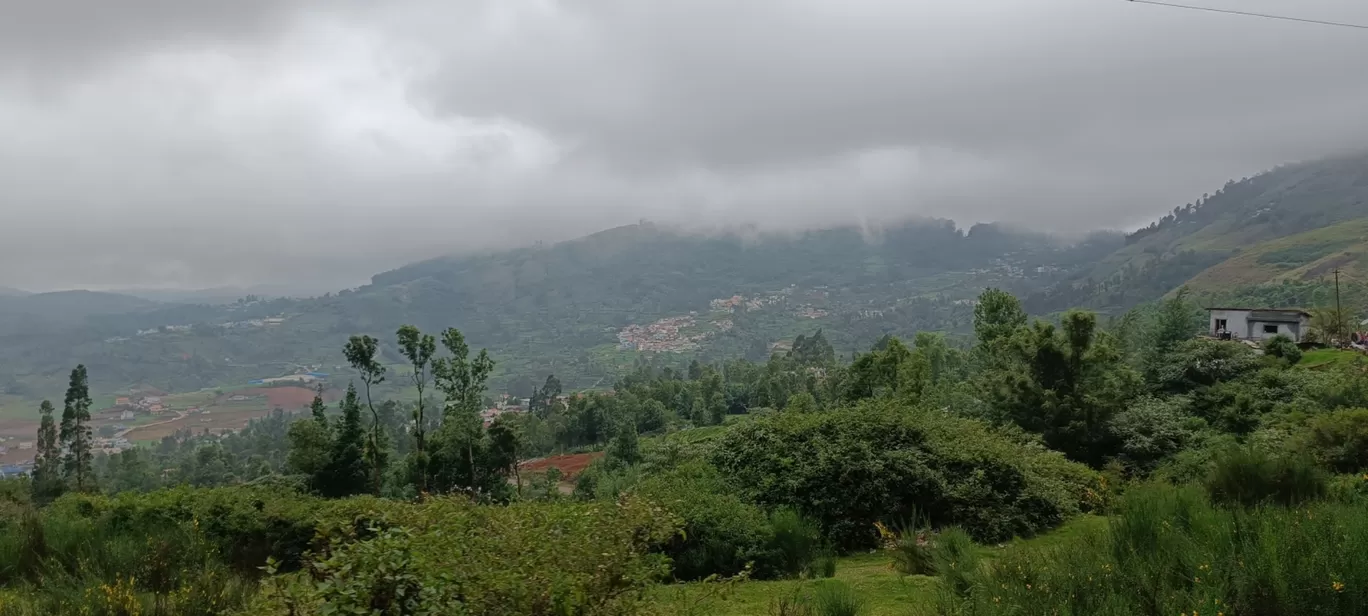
1291, 223
223, 295
585, 309
561, 308
36, 312
12, 292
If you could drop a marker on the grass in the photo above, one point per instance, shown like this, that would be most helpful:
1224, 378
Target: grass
871, 576
1323, 358
1169, 551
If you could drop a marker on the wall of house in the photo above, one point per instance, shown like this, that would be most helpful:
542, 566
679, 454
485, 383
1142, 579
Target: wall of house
1240, 324
1291, 330
1237, 322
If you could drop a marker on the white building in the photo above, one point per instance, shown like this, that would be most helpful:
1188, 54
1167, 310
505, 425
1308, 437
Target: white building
1258, 324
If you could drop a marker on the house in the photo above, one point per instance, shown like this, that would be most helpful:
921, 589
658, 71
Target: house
126, 415
122, 402
156, 409
1258, 323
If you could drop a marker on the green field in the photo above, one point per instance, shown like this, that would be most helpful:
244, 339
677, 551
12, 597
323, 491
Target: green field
885, 591
1324, 358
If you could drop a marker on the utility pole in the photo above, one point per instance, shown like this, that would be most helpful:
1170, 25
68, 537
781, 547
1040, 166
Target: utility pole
1339, 314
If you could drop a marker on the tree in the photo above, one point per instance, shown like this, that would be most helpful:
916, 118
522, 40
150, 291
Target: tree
317, 409
1066, 384
504, 450
419, 348
347, 467
361, 352
462, 381
310, 451
625, 450
75, 435
47, 460
544, 400
997, 316
1174, 323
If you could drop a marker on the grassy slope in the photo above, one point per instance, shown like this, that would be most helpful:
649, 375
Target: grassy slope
1305, 256
1319, 195
1328, 358
886, 592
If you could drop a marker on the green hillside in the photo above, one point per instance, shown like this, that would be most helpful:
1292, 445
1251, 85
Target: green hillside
1309, 256
585, 309
1288, 224
561, 308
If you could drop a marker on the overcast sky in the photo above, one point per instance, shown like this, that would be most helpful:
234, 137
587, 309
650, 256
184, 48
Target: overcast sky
203, 142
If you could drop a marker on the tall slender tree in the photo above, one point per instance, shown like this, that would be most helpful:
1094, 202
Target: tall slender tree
318, 409
75, 435
347, 466
361, 352
419, 348
47, 462
462, 381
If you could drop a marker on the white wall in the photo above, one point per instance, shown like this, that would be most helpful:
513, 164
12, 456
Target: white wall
1237, 322
1241, 327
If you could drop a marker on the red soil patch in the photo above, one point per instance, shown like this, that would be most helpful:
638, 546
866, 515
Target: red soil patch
22, 427
570, 465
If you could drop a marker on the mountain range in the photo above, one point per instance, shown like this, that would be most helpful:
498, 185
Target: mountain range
587, 309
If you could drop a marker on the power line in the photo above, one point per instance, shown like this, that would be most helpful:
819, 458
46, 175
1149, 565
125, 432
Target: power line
1339, 24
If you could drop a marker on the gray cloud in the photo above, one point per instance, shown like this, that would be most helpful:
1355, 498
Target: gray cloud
185, 143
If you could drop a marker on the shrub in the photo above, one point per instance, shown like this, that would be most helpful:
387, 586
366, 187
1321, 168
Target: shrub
1169, 551
834, 598
1153, 429
909, 547
1339, 440
848, 468
1282, 347
822, 566
1247, 477
722, 533
449, 556
955, 559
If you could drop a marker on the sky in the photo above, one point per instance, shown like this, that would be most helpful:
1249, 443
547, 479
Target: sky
200, 143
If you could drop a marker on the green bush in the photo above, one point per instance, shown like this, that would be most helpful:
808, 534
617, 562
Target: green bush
1339, 440
955, 558
837, 599
1169, 551
1282, 347
823, 566
449, 556
849, 468
722, 533
1247, 477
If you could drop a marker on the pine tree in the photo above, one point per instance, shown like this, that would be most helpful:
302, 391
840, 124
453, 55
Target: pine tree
75, 435
625, 450
347, 468
47, 462
317, 409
